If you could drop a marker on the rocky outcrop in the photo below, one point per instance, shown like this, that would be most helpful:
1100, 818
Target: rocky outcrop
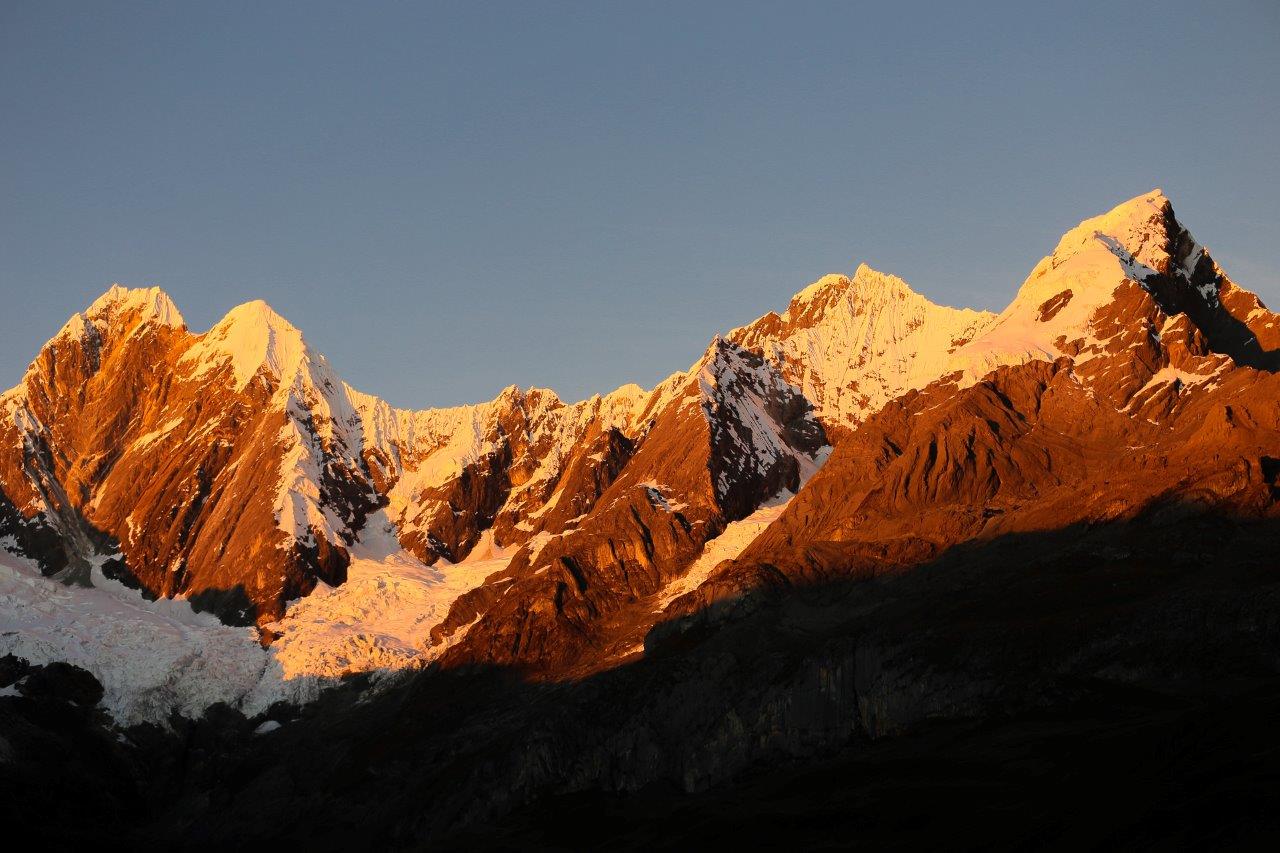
236, 469
132, 440
724, 436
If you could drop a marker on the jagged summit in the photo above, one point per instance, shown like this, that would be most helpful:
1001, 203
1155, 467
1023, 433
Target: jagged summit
515, 395
851, 344
120, 305
249, 338
1140, 228
1062, 308
151, 303
823, 290
869, 280
865, 286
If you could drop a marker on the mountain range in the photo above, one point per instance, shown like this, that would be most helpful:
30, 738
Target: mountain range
242, 530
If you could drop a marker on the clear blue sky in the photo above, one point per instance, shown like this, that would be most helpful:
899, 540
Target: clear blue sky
449, 198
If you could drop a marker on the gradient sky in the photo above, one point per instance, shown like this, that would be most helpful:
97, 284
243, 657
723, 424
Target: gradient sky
450, 198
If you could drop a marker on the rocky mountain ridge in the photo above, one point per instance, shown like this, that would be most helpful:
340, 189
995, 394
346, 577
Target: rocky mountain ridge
1148, 386
1041, 544
236, 469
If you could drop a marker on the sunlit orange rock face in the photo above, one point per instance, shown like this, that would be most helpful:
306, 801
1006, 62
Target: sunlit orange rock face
1155, 399
234, 467
1030, 448
699, 465
116, 444
1166, 409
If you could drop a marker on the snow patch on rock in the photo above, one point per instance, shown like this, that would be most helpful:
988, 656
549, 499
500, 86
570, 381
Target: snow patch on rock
734, 539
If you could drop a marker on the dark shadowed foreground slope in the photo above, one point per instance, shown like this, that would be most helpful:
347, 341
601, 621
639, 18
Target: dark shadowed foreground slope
1107, 684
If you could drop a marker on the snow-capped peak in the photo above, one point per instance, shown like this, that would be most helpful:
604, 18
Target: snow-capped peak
1054, 311
851, 344
867, 285
144, 304
819, 290
1138, 228
251, 337
151, 302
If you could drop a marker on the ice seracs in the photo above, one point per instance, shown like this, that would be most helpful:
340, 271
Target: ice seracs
151, 657
157, 657
381, 618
